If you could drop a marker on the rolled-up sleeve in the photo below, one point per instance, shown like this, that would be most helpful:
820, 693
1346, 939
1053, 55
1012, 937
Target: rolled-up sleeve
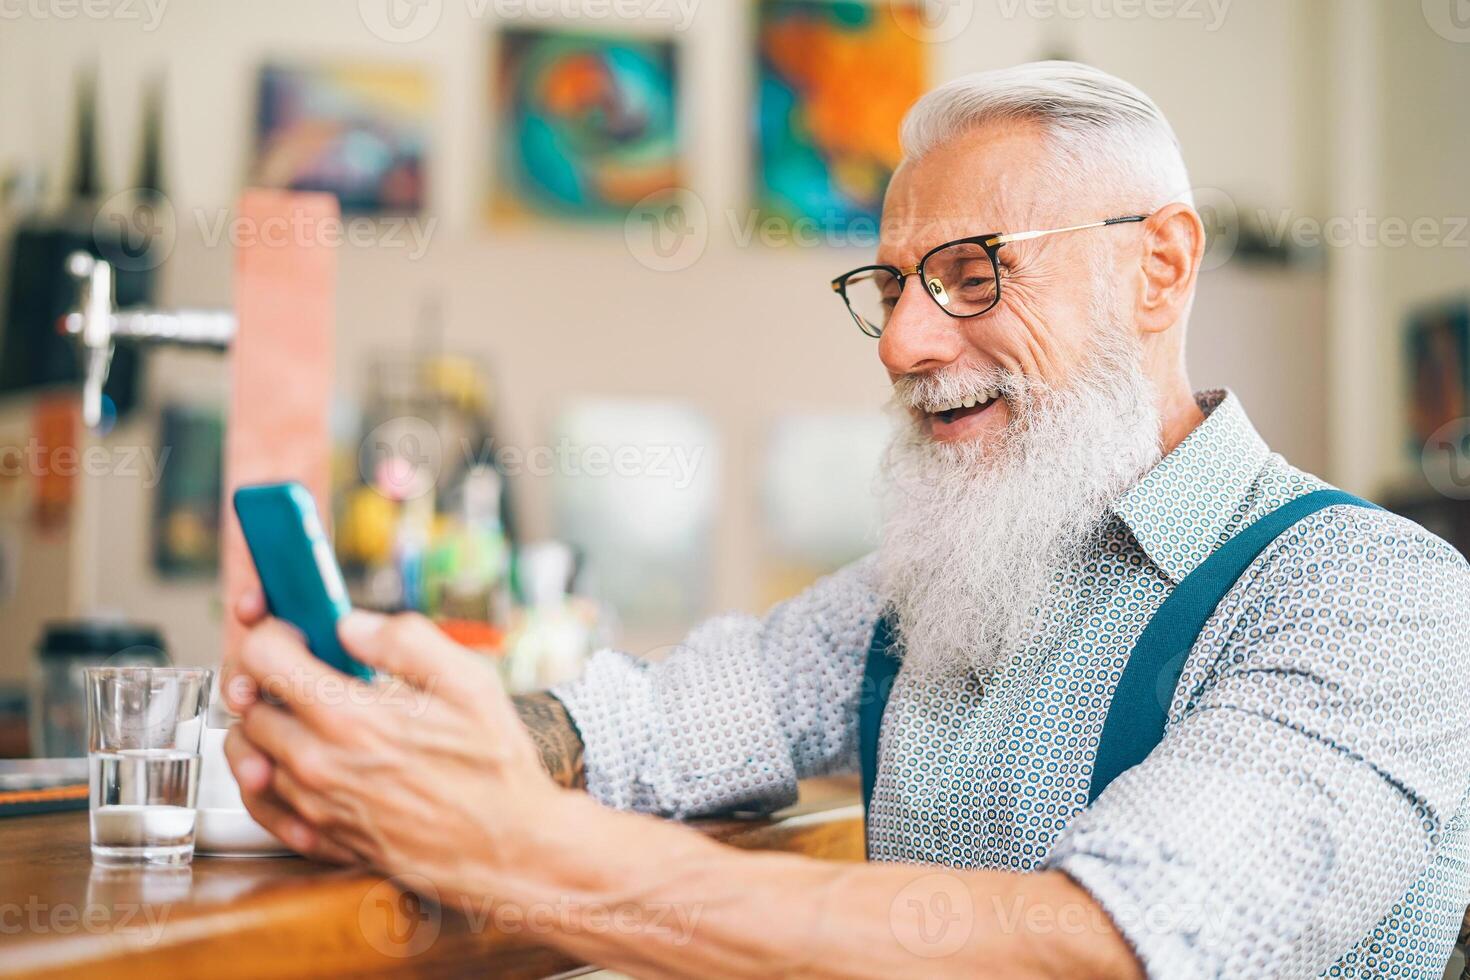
1310, 779
738, 712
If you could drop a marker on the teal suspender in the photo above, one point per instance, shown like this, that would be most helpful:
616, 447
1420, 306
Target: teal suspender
878, 677
1140, 705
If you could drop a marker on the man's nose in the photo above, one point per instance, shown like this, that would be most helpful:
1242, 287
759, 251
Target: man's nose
919, 337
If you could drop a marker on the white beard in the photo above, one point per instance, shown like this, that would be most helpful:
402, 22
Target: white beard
975, 537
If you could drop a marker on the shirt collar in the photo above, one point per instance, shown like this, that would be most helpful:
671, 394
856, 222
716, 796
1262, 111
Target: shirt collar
1179, 511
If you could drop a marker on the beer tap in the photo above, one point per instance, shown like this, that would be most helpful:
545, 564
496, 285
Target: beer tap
98, 327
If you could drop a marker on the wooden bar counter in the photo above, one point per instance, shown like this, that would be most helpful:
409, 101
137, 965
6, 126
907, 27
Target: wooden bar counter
286, 917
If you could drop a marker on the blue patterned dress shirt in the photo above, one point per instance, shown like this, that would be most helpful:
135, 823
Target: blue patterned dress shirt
1304, 815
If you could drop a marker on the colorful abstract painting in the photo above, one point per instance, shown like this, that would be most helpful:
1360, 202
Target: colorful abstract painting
356, 131
834, 80
588, 124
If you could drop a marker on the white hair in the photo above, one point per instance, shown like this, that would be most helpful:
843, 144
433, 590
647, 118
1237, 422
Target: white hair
1104, 128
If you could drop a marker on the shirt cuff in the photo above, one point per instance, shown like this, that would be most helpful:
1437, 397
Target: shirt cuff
691, 735
1168, 940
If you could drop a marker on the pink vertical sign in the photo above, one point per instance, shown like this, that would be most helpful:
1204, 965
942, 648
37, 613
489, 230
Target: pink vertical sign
281, 360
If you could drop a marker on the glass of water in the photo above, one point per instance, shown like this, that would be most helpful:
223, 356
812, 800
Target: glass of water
143, 729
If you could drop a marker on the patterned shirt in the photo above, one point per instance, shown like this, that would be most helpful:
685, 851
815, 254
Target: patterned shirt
1304, 815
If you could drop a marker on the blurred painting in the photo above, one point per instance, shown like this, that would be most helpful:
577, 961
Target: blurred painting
588, 124
186, 509
634, 488
356, 131
819, 496
834, 80
1439, 365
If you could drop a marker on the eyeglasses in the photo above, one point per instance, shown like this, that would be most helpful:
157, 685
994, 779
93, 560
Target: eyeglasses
962, 276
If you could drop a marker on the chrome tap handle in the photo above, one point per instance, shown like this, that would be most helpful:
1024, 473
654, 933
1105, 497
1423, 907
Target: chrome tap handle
191, 328
97, 325
93, 324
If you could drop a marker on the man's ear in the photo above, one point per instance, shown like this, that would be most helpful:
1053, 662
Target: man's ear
1173, 246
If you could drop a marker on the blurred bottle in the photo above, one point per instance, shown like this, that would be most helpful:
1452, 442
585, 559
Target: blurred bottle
466, 571
429, 526
555, 635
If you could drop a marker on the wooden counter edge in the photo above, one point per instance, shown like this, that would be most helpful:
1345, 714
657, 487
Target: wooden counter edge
359, 924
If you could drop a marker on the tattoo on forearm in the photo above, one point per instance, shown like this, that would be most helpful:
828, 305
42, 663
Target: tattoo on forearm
556, 737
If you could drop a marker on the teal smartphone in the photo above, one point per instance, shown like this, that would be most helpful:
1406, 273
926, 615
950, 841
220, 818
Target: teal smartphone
298, 571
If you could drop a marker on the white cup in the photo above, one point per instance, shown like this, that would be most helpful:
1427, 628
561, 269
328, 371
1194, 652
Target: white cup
225, 828
217, 787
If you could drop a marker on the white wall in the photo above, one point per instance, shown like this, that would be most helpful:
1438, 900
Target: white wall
746, 333
1233, 91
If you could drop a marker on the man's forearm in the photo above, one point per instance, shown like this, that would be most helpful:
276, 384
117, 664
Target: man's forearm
555, 735
656, 899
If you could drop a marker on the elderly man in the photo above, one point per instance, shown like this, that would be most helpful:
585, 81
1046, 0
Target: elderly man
1153, 701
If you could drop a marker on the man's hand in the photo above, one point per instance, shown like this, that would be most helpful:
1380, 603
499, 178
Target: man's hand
238, 688
545, 717
401, 773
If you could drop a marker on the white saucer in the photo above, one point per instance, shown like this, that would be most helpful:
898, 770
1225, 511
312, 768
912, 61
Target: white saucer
234, 833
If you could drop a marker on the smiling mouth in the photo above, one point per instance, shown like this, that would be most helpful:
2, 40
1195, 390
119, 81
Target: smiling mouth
964, 408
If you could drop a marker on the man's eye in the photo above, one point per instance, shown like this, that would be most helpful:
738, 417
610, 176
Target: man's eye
977, 284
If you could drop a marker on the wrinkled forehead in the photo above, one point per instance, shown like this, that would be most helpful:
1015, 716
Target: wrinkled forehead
999, 178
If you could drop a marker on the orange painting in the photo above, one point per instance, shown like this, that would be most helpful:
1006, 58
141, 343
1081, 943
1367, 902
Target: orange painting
835, 80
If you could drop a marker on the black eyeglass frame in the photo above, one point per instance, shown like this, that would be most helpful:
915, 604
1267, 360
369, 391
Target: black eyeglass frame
992, 244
